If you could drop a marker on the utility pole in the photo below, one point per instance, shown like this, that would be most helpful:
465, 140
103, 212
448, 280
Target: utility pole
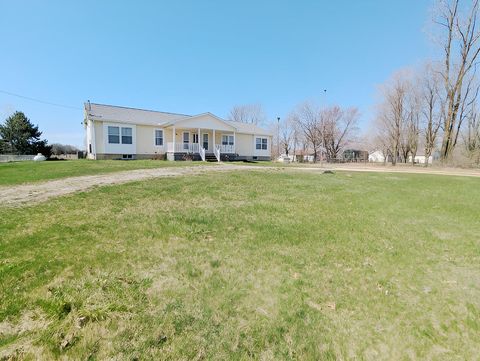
278, 136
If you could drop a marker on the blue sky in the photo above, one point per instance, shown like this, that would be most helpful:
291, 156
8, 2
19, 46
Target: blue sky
197, 56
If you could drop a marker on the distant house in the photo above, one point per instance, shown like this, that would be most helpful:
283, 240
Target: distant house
376, 157
115, 132
420, 159
355, 155
301, 156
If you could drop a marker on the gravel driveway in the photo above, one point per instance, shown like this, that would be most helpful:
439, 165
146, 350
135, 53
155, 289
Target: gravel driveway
39, 192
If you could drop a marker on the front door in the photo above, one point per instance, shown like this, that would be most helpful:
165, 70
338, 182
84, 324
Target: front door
205, 141
186, 140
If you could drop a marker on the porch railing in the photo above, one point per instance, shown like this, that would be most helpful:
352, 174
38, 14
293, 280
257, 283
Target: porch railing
216, 151
183, 147
195, 148
202, 153
225, 148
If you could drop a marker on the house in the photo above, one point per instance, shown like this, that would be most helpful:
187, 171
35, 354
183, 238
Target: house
420, 158
376, 157
116, 132
306, 156
355, 155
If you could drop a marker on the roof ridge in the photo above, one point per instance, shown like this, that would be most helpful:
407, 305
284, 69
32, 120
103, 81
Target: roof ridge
141, 109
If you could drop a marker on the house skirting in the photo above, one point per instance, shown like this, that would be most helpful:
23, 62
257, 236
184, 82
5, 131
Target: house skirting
102, 156
254, 158
225, 157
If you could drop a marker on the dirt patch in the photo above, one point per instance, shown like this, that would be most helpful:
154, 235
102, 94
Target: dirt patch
39, 192
351, 167
29, 321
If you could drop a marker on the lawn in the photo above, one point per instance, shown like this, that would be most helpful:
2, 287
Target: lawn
262, 264
26, 172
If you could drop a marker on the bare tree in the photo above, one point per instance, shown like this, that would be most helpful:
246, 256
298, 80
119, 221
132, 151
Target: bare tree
288, 134
432, 105
307, 117
404, 149
472, 136
297, 136
337, 128
248, 113
414, 134
414, 104
460, 35
393, 113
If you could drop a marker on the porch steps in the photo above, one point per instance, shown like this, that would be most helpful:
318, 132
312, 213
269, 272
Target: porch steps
210, 157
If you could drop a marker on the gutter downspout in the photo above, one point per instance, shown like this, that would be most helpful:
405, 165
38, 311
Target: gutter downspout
94, 144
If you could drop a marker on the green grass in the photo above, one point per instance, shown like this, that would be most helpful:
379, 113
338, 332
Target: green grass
246, 265
25, 172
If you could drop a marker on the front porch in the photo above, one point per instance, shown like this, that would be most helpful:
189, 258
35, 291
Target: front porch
201, 144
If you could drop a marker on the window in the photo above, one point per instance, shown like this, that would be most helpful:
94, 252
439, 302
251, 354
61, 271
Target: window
127, 156
227, 139
261, 143
114, 135
159, 137
127, 137
195, 138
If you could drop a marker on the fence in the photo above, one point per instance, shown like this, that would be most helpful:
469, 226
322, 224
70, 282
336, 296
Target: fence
15, 158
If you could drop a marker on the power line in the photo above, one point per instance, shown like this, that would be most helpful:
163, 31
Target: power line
39, 100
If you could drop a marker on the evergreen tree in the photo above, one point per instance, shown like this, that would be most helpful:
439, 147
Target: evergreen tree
19, 135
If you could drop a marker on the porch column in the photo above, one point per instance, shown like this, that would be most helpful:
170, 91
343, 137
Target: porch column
234, 142
199, 140
173, 139
213, 139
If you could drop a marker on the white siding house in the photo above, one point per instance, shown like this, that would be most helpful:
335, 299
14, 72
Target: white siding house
115, 132
376, 157
420, 159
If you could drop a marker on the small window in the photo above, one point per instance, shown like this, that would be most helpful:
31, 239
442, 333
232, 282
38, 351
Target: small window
227, 139
159, 137
195, 138
127, 156
261, 143
113, 135
127, 137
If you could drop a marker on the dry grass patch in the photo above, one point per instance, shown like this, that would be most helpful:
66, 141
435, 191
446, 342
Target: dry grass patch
251, 265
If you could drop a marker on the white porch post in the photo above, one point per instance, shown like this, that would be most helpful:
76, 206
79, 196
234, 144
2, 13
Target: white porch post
199, 139
174, 139
214, 139
234, 142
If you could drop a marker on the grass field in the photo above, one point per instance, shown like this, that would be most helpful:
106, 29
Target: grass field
249, 265
27, 172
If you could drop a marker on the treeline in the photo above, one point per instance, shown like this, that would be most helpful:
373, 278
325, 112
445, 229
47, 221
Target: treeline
61, 149
434, 107
323, 132
309, 129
